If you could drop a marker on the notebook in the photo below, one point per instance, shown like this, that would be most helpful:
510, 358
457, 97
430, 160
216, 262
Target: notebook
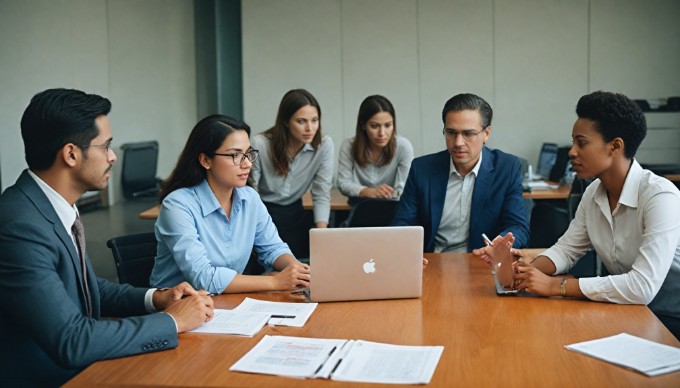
366, 263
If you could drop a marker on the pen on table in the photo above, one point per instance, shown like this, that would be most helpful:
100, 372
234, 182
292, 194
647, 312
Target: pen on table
324, 361
283, 316
486, 240
208, 294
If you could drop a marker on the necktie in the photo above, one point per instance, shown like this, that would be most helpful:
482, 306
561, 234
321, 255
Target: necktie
79, 234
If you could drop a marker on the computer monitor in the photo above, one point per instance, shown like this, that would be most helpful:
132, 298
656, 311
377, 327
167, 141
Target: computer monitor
546, 159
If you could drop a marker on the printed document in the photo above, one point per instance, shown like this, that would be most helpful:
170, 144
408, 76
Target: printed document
281, 313
342, 360
648, 357
232, 322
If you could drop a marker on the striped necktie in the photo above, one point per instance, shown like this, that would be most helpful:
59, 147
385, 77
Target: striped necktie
79, 234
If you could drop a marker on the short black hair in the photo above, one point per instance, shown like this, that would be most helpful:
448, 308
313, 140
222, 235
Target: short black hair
468, 101
615, 115
55, 118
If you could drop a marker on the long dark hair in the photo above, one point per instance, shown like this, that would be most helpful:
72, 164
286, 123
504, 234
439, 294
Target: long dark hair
205, 138
369, 107
279, 134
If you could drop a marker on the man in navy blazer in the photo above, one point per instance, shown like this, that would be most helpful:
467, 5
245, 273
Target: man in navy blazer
51, 310
469, 189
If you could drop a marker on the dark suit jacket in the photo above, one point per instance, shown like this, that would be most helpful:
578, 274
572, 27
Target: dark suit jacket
46, 334
497, 204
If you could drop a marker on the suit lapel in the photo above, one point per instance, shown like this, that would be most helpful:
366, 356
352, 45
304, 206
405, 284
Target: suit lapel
481, 192
35, 194
438, 185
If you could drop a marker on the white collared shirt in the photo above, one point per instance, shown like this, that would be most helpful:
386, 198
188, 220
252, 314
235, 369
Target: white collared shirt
310, 168
454, 227
639, 242
67, 215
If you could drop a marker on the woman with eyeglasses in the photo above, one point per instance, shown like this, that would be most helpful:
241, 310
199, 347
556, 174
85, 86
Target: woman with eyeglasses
294, 157
374, 163
210, 221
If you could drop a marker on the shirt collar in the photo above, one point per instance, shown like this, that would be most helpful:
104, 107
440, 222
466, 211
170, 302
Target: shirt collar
475, 169
208, 201
65, 212
631, 186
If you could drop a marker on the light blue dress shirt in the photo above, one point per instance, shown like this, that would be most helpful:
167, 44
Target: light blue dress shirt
197, 243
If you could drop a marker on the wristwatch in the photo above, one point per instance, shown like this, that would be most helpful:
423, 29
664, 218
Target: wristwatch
563, 286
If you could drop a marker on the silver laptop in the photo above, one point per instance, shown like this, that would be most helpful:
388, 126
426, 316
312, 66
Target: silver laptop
366, 263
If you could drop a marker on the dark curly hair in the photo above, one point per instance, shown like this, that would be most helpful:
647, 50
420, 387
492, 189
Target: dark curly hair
615, 115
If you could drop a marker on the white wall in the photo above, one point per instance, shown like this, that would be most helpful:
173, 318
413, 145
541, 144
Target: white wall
531, 59
139, 54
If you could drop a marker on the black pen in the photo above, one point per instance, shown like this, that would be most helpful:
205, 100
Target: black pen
324, 361
336, 366
283, 316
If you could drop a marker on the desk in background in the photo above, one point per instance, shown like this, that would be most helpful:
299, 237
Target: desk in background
489, 340
338, 202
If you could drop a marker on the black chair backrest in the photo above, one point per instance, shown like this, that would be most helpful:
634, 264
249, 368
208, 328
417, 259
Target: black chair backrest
134, 256
372, 212
139, 168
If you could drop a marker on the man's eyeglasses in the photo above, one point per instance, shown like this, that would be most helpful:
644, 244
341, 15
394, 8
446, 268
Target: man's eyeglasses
469, 135
238, 158
107, 147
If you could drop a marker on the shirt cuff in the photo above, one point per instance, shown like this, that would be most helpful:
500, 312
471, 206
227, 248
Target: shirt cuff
148, 301
173, 320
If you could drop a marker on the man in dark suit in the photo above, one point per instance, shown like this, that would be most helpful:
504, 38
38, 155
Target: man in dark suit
54, 311
469, 189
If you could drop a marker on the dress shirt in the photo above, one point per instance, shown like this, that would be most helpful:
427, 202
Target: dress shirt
353, 178
454, 228
310, 168
639, 242
199, 244
67, 216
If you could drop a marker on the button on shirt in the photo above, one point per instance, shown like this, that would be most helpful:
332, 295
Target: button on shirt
454, 227
353, 178
310, 168
199, 244
638, 243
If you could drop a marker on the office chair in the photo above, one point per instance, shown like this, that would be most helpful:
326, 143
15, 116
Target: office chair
134, 256
139, 169
372, 212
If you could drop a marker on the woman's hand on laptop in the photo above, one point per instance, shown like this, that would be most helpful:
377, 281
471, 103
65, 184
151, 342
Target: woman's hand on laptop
294, 276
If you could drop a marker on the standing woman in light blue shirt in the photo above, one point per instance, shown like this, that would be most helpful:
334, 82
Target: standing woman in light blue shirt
294, 157
375, 162
210, 221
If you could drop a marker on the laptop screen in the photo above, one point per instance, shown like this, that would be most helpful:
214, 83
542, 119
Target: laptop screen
546, 159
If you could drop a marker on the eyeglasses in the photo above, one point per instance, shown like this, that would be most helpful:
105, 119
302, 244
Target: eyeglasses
238, 158
469, 135
107, 147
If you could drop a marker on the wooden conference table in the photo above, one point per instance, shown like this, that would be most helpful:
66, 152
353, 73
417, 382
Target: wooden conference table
339, 201
489, 340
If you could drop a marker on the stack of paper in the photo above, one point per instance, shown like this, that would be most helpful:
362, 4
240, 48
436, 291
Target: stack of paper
231, 322
342, 360
281, 313
632, 352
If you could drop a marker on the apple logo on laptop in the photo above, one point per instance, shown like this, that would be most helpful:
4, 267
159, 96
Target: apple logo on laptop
369, 266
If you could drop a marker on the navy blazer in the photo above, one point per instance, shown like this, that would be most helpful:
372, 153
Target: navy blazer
497, 204
46, 335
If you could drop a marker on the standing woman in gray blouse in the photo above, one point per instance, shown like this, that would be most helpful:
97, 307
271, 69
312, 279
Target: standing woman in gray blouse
375, 162
294, 157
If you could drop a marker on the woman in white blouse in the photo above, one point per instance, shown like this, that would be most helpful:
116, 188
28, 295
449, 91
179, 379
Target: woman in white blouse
374, 163
630, 216
293, 157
